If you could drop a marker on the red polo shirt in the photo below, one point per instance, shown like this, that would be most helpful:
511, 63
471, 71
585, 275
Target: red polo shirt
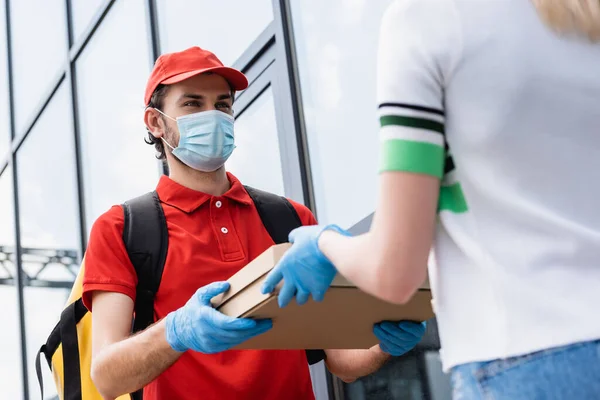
210, 239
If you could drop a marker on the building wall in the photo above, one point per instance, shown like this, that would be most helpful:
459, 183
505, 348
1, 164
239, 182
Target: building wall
72, 77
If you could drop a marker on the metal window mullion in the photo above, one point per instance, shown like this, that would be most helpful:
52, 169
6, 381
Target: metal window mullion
70, 34
11, 100
71, 81
255, 51
79, 45
20, 278
154, 45
289, 88
17, 222
6, 162
254, 91
153, 32
19, 138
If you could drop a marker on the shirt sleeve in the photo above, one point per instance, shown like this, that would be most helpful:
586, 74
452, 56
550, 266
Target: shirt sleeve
107, 265
418, 47
306, 216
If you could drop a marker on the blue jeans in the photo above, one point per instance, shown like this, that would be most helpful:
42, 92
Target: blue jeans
563, 373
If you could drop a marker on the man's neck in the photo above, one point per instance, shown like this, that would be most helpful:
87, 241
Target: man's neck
214, 183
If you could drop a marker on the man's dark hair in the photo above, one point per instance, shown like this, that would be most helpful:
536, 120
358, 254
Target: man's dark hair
157, 101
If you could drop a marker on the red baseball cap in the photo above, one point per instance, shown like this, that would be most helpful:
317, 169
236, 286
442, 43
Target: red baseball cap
175, 67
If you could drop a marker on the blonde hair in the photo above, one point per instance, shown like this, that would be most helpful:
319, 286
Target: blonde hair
571, 16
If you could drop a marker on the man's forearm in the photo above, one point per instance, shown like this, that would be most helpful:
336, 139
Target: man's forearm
130, 364
349, 365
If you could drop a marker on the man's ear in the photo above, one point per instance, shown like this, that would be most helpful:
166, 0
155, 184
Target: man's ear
154, 122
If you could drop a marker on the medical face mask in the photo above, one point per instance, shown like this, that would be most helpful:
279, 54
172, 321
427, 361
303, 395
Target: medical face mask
206, 139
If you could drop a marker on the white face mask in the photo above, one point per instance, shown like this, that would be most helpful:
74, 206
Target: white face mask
206, 139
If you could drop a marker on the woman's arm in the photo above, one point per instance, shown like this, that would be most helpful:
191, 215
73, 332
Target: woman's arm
390, 261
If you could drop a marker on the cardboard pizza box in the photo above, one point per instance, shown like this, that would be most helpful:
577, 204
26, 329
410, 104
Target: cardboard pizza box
343, 320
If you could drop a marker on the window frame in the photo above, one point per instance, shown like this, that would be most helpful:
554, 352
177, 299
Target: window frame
268, 61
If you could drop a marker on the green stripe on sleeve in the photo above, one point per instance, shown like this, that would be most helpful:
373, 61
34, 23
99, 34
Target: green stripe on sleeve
412, 122
452, 199
417, 157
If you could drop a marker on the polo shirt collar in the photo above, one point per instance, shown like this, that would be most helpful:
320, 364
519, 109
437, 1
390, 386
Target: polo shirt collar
188, 200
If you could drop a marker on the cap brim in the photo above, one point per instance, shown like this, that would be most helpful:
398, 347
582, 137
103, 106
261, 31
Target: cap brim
236, 79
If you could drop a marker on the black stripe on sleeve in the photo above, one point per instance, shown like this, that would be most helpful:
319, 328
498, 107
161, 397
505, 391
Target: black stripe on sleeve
413, 107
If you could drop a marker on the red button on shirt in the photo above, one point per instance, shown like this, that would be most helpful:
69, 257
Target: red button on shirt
210, 239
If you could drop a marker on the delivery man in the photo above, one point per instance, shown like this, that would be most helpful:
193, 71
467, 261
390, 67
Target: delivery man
214, 231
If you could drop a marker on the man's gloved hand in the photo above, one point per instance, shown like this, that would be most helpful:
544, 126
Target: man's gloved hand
396, 338
199, 327
304, 268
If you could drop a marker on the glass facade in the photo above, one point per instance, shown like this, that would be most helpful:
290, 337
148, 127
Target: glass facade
10, 366
72, 78
37, 58
4, 115
111, 77
226, 31
336, 60
256, 160
48, 221
82, 16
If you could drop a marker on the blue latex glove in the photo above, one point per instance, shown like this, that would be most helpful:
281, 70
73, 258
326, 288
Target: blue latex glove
396, 338
304, 268
199, 327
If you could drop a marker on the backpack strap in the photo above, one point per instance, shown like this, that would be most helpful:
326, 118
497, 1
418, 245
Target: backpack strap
146, 238
277, 214
279, 217
65, 333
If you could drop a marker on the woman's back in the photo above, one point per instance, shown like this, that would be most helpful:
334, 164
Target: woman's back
518, 247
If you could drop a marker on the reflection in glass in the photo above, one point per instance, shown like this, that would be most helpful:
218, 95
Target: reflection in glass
39, 47
336, 45
256, 159
399, 379
10, 360
111, 78
83, 11
4, 125
226, 31
49, 222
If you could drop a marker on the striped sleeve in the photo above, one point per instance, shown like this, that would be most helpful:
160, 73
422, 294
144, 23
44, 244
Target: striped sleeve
414, 58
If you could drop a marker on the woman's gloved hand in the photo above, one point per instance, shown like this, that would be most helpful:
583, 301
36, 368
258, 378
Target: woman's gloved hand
304, 268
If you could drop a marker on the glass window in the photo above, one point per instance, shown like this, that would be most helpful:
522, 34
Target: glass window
336, 45
49, 223
10, 361
83, 12
111, 77
399, 379
226, 31
39, 46
256, 159
4, 111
